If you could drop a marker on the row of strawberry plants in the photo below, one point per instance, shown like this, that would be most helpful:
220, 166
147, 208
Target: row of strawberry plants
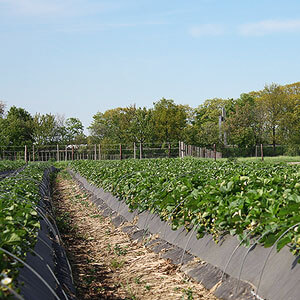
244, 199
19, 221
7, 165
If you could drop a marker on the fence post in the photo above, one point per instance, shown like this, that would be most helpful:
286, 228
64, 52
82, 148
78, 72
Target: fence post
256, 151
33, 155
120, 151
134, 150
262, 152
72, 152
141, 150
66, 154
57, 153
169, 151
99, 152
215, 152
179, 150
25, 154
95, 151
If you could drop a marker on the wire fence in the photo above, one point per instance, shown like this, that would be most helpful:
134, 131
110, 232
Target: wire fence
91, 152
140, 151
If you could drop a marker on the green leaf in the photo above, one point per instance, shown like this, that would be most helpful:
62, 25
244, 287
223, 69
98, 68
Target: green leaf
13, 238
284, 241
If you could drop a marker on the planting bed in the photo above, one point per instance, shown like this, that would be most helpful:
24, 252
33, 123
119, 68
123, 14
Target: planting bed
30, 255
106, 263
8, 167
257, 202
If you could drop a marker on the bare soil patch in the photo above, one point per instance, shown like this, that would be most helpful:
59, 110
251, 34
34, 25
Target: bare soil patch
106, 264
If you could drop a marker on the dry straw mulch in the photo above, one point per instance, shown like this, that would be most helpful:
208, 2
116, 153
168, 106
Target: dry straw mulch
106, 263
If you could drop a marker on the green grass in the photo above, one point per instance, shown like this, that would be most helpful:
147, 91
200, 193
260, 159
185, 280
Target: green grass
273, 159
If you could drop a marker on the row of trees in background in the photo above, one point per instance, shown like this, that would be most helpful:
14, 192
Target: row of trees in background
270, 116
19, 128
164, 123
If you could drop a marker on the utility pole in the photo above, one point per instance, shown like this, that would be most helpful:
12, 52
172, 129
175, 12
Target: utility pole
222, 118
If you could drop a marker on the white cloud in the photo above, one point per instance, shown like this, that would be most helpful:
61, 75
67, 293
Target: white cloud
207, 30
269, 27
94, 27
53, 7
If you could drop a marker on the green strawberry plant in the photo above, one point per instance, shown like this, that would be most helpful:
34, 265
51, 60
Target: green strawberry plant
7, 165
238, 198
19, 221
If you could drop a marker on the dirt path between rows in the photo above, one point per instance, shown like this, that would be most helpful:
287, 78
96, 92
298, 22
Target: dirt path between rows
106, 263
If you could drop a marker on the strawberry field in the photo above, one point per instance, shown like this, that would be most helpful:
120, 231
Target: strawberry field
19, 220
246, 199
8, 165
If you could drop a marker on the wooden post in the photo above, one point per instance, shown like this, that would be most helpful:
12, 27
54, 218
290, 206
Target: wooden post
99, 152
215, 152
95, 152
262, 152
72, 152
33, 154
25, 154
256, 151
134, 150
66, 154
57, 153
141, 150
179, 151
120, 151
169, 151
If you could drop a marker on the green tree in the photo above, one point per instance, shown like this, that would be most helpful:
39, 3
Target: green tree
141, 126
17, 127
113, 126
207, 121
273, 102
244, 122
109, 125
48, 129
290, 125
170, 120
74, 131
2, 109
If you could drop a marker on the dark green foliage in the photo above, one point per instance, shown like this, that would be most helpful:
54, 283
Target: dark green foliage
7, 165
219, 197
19, 221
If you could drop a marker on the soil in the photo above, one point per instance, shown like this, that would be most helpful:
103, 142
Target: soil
106, 264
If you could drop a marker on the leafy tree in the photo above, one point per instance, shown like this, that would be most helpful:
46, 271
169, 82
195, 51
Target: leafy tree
74, 131
244, 123
48, 129
170, 120
110, 125
207, 121
17, 128
2, 109
290, 125
141, 126
273, 102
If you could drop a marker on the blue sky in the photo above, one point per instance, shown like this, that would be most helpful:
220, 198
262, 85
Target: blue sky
77, 57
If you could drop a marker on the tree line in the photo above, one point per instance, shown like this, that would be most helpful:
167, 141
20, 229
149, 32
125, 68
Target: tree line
18, 128
269, 116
